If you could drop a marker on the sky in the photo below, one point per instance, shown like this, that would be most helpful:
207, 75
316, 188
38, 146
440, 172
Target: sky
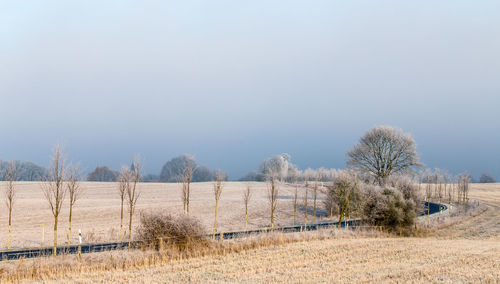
234, 82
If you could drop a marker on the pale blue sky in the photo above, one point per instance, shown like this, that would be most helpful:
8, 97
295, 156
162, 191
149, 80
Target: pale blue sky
234, 82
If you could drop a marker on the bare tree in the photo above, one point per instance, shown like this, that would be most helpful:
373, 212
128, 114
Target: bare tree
315, 196
184, 191
345, 192
10, 194
440, 187
463, 188
453, 187
308, 174
428, 191
447, 186
247, 194
217, 192
133, 193
384, 150
305, 208
187, 176
272, 195
74, 190
54, 189
124, 181
295, 195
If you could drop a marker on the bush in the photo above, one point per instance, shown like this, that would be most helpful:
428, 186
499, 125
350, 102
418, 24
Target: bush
344, 196
179, 231
406, 186
387, 207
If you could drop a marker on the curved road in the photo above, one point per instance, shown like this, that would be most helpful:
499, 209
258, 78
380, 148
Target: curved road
100, 247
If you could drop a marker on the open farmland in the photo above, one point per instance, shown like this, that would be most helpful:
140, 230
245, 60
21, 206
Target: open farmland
486, 225
467, 251
97, 214
362, 260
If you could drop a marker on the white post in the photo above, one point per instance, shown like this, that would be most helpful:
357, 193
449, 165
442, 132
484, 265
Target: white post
80, 245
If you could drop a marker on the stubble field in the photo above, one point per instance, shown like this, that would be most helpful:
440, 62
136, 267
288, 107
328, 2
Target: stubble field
466, 250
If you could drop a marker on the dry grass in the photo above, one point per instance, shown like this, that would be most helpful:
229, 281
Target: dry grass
481, 224
322, 260
67, 266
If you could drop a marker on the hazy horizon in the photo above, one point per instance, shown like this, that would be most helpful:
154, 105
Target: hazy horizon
233, 83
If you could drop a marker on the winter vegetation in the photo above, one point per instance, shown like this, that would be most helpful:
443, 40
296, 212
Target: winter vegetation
487, 178
25, 171
103, 174
384, 186
174, 170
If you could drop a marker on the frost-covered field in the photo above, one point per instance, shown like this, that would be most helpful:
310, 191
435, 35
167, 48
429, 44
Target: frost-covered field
97, 213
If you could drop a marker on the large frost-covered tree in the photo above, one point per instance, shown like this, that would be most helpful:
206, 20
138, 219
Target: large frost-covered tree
279, 165
384, 150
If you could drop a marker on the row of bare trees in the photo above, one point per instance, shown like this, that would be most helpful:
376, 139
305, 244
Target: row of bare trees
129, 192
442, 186
61, 180
55, 187
64, 181
273, 183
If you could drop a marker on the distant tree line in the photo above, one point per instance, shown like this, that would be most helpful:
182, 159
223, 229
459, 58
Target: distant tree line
487, 178
103, 174
172, 171
25, 171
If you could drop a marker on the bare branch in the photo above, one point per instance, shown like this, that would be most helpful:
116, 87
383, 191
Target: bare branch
53, 188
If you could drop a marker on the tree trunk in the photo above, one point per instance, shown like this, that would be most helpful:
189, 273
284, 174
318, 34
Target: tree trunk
272, 220
70, 214
130, 230
294, 211
187, 198
10, 223
55, 235
314, 218
121, 222
341, 217
305, 212
215, 219
246, 217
